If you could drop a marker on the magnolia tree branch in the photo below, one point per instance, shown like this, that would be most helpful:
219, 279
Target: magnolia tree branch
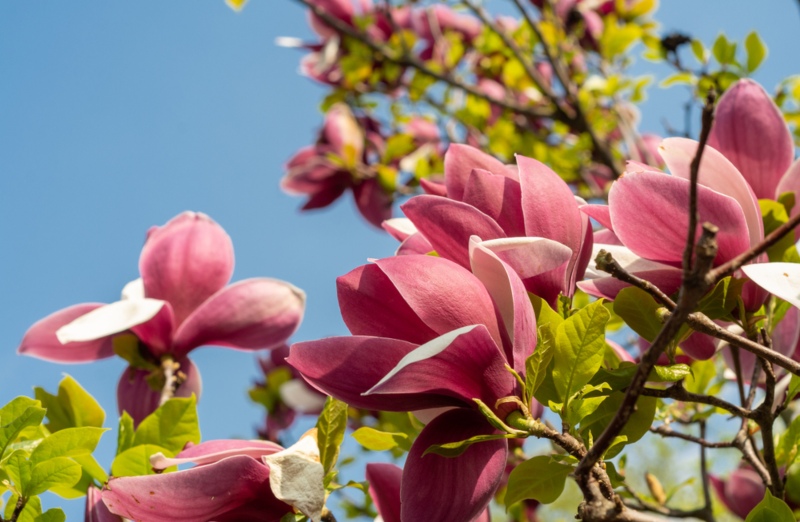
664, 431
679, 393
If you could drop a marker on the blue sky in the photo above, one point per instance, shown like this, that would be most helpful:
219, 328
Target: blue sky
115, 116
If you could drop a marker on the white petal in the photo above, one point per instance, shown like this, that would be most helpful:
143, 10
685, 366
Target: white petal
401, 227
299, 397
780, 279
289, 41
134, 289
109, 319
528, 256
295, 476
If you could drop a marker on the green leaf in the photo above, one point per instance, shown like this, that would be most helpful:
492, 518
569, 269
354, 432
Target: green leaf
703, 372
135, 461
33, 508
67, 443
681, 78
56, 472
375, 440
771, 509
756, 51
536, 365
545, 315
700, 51
786, 446
72, 407
672, 373
794, 388
540, 478
171, 426
638, 424
51, 515
91, 472
18, 469
774, 215
127, 347
580, 343
722, 300
723, 50
639, 311
126, 433
331, 425
15, 416
454, 449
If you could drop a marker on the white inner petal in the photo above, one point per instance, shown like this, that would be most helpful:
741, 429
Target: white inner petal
781, 279
299, 397
109, 319
134, 289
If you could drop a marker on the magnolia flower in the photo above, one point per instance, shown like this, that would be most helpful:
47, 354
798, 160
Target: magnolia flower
430, 335
741, 492
231, 480
527, 215
180, 302
96, 510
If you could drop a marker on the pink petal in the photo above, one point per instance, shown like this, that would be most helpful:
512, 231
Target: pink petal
384, 488
621, 352
718, 174
399, 228
464, 364
741, 492
186, 261
216, 450
700, 347
600, 213
40, 340
135, 395
460, 488
600, 284
341, 130
247, 315
415, 244
432, 187
448, 225
498, 197
347, 367
511, 299
657, 230
444, 295
528, 256
790, 182
96, 510
750, 131
459, 160
157, 332
584, 254
200, 493
607, 237
372, 201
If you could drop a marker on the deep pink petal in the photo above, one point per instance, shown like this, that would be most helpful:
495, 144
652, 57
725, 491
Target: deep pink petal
384, 488
432, 187
248, 315
448, 225
40, 340
347, 367
340, 9
443, 295
157, 332
649, 214
459, 160
584, 254
498, 197
464, 364
216, 450
96, 510
750, 131
699, 346
200, 493
185, 262
460, 488
372, 201
718, 174
135, 395
741, 492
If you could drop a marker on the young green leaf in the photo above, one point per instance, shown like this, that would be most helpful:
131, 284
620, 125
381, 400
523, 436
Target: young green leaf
136, 460
68, 442
771, 509
331, 425
15, 417
32, 509
126, 433
376, 440
51, 515
536, 365
56, 472
72, 407
756, 51
540, 478
171, 426
794, 389
639, 311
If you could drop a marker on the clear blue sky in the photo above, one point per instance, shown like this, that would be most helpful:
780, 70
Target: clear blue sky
115, 116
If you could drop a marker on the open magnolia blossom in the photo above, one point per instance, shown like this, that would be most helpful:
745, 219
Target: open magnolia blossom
232, 480
180, 302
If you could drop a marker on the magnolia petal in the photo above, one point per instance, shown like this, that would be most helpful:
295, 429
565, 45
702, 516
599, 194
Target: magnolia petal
296, 475
668, 280
498, 197
40, 340
432, 187
751, 132
133, 290
135, 395
374, 204
299, 397
214, 451
527, 256
346, 367
464, 364
96, 510
414, 244
156, 333
443, 295
186, 261
200, 493
718, 174
247, 315
584, 255
780, 279
109, 319
600, 213
448, 225
621, 352
790, 182
459, 488
657, 231
399, 228
384, 488
741, 492
699, 346
459, 160
511, 299
341, 130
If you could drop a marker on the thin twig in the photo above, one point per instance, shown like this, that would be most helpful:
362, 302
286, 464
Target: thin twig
679, 393
701, 441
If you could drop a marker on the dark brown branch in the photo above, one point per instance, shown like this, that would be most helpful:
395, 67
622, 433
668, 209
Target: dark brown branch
642, 504
679, 393
701, 441
606, 262
704, 472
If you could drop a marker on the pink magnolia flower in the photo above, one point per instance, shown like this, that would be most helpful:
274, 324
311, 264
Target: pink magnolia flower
229, 482
527, 215
96, 510
336, 163
180, 302
741, 492
429, 335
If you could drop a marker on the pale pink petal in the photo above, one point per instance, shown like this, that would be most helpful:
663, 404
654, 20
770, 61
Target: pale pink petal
600, 213
413, 245
215, 450
247, 315
200, 493
40, 340
621, 352
399, 228
529, 256
607, 237
448, 225
464, 364
498, 197
718, 174
790, 182
384, 488
459, 160
96, 510
751, 132
460, 488
135, 395
186, 261
341, 130
347, 367
584, 255
601, 284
